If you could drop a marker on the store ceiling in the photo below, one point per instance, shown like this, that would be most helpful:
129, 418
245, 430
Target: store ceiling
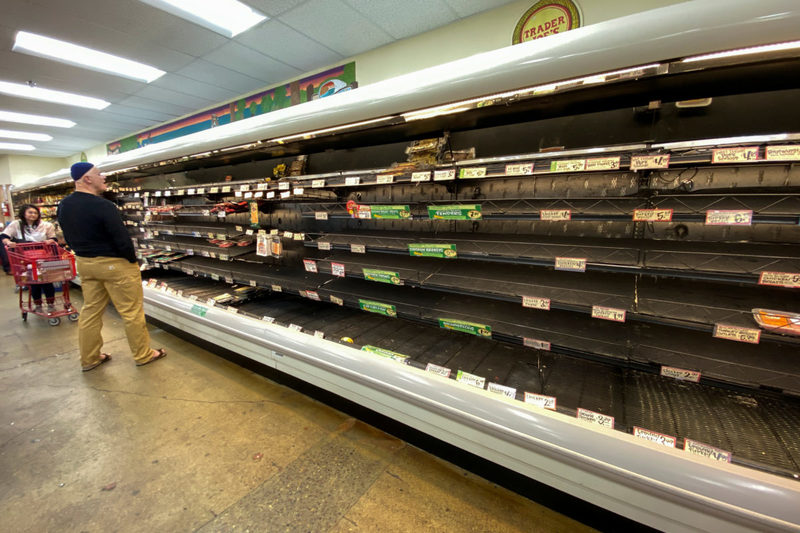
203, 68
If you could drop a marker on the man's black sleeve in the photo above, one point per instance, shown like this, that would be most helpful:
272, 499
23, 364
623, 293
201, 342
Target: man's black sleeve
120, 238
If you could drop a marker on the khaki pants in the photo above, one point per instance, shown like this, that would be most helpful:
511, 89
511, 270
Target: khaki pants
115, 278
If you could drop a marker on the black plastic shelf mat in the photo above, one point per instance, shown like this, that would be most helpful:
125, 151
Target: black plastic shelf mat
757, 427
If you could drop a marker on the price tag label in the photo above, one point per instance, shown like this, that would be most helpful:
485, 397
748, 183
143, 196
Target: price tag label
571, 264
299, 236
790, 152
358, 249
603, 163
438, 370
568, 165
211, 302
596, 418
253, 283
244, 187
295, 327
323, 245
274, 231
644, 162
268, 319
319, 334
336, 300
232, 309
704, 450
508, 392
652, 215
384, 179
313, 295
472, 173
276, 288
352, 180
193, 297
158, 194
224, 257
151, 283
736, 333
262, 187
180, 192
215, 277
248, 195
519, 169
680, 373
540, 400
167, 193
536, 303
417, 177
259, 194
310, 265
338, 269
729, 218
555, 214
238, 194
229, 280
286, 194
213, 190
655, 437
470, 379
270, 194
316, 184
201, 190
608, 313
321, 215
780, 279
444, 175
297, 191
248, 232
226, 188
536, 343
288, 234
735, 155
284, 186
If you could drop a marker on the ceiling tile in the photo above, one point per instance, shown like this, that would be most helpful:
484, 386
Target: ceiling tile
170, 111
465, 8
276, 39
182, 84
418, 16
273, 8
202, 70
175, 98
337, 26
251, 63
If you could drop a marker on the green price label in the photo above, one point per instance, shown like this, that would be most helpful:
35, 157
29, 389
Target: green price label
199, 310
454, 212
385, 353
377, 307
473, 328
447, 251
395, 212
382, 276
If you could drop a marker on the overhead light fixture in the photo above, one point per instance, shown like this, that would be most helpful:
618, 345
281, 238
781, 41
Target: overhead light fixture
81, 56
17, 146
226, 17
38, 120
24, 135
779, 47
49, 95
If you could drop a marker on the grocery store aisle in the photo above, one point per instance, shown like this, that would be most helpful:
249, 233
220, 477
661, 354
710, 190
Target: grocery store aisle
196, 443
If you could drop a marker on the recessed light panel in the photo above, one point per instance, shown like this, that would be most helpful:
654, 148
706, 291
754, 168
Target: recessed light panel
226, 17
38, 120
24, 135
17, 146
50, 95
81, 56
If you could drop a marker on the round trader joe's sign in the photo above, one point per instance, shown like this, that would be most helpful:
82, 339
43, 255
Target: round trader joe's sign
546, 18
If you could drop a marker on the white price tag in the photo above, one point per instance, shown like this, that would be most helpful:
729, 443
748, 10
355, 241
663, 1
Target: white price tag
323, 245
519, 169
310, 265
215, 277
358, 249
232, 309
167, 193
297, 191
284, 186
226, 188
780, 279
336, 300
652, 215
316, 184
286, 194
472, 173
790, 152
643, 162
735, 155
737, 333
295, 327
313, 295
276, 288
384, 179
555, 214
238, 194
248, 232
253, 283
248, 195
540, 400
353, 180
536, 343
571, 264
268, 319
319, 334
729, 218
470, 379
680, 373
608, 313
259, 194
536, 303
288, 234
190, 191
417, 177
158, 194
244, 187
299, 236
704, 450
508, 392
444, 175
569, 165
595, 418
438, 370
603, 163
213, 190
320, 215
655, 437
201, 190
270, 194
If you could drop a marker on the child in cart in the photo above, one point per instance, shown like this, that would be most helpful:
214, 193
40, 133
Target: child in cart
31, 228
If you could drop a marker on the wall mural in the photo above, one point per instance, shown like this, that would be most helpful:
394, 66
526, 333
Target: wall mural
546, 18
336, 80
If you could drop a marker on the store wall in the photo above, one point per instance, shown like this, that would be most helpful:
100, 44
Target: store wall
18, 169
479, 33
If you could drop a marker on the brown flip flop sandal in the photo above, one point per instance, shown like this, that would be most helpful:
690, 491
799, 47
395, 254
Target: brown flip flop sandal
160, 354
102, 360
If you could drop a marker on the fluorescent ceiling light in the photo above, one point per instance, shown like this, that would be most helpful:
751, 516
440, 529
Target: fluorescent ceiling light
17, 146
24, 135
65, 52
745, 51
38, 120
49, 95
226, 17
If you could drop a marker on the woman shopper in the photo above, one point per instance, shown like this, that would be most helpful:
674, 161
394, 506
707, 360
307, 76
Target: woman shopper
31, 228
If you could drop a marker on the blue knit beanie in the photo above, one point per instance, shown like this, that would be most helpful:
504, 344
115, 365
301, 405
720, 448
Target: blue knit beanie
79, 169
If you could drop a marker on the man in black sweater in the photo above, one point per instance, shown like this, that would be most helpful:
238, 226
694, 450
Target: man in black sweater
107, 267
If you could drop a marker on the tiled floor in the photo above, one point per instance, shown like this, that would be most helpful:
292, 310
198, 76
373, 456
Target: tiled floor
196, 443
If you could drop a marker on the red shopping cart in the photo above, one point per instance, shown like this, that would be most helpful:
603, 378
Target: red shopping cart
39, 263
